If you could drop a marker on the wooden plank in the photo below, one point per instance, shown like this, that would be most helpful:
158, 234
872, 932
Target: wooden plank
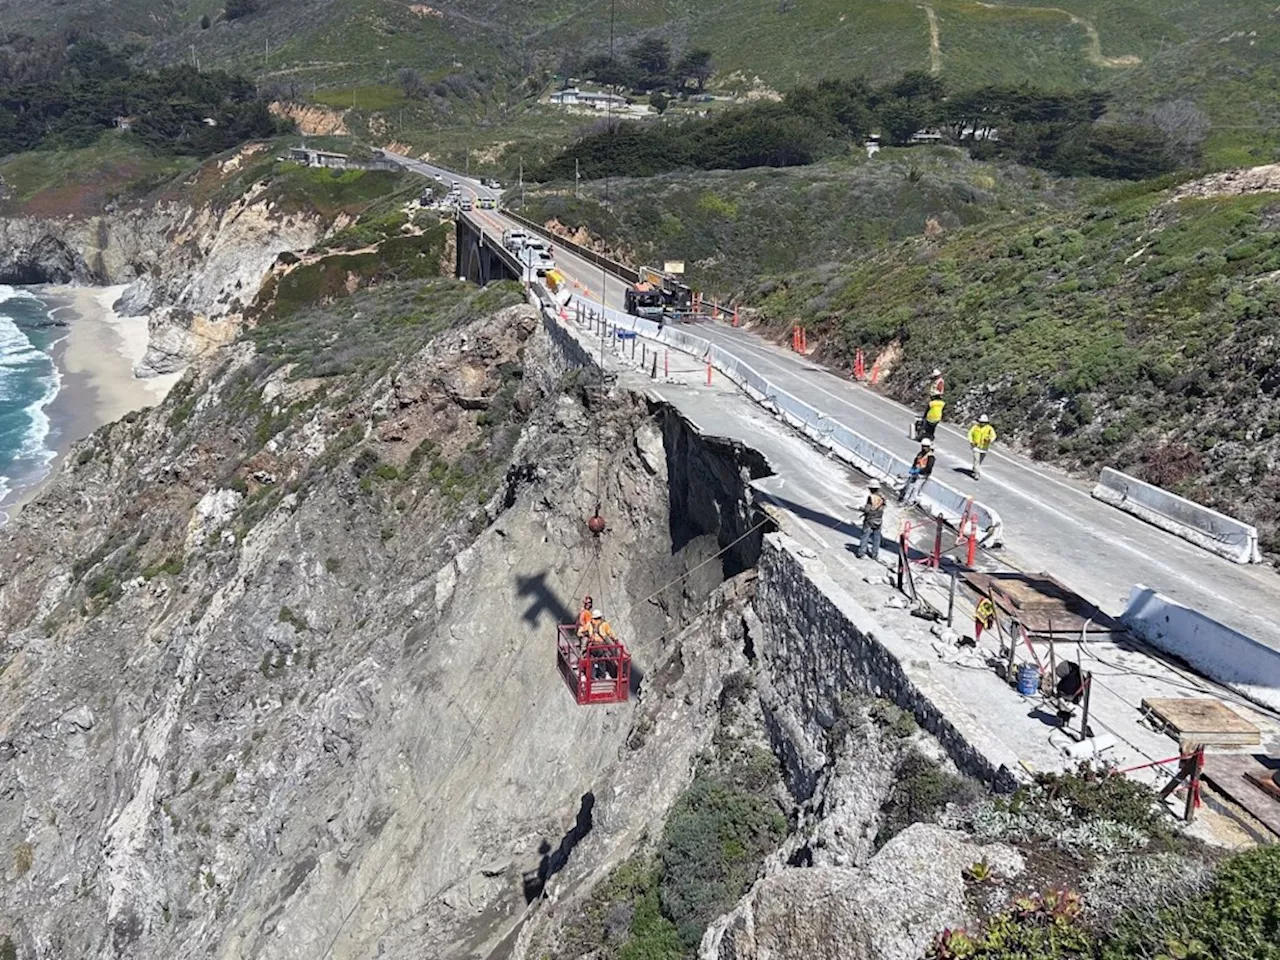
1236, 776
1202, 721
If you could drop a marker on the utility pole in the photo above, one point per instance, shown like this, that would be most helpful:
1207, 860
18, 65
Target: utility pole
522, 184
577, 180
468, 167
608, 104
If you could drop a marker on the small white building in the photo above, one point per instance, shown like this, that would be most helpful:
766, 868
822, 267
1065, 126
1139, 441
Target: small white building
318, 158
573, 96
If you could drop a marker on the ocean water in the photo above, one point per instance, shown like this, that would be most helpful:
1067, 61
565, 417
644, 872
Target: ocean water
29, 380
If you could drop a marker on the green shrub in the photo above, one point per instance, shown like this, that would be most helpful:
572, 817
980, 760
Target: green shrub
1239, 916
921, 789
1044, 927
172, 566
712, 846
287, 615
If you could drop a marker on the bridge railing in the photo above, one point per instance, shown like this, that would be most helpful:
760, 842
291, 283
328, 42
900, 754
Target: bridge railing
845, 443
509, 259
577, 249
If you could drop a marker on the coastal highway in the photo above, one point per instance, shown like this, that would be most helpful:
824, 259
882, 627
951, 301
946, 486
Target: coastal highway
1051, 521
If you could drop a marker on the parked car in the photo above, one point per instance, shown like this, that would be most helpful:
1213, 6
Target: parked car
465, 204
514, 240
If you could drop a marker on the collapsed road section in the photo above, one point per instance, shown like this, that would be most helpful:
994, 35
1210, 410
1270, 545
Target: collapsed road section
1052, 682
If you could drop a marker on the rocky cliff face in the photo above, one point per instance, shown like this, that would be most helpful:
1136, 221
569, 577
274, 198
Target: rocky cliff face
192, 268
277, 675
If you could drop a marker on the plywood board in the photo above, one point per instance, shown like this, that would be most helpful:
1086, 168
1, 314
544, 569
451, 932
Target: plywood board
1202, 721
1041, 603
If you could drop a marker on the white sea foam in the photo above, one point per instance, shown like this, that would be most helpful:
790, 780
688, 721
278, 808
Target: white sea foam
10, 293
17, 353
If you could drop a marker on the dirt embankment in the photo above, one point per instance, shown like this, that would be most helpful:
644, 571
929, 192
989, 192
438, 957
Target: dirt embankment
312, 121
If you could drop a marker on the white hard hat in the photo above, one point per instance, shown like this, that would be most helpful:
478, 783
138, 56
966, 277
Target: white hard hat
873, 485
597, 614
926, 442
936, 372
984, 419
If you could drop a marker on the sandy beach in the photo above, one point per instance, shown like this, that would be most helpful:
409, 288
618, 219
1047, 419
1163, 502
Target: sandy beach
96, 361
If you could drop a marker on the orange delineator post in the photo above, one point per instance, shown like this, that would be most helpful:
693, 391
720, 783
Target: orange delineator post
735, 316
967, 533
666, 363
875, 372
708, 373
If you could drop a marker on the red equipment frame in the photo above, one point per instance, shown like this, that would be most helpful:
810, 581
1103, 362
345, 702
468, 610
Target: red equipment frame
600, 673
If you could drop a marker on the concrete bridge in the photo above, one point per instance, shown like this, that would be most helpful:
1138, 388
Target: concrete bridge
481, 257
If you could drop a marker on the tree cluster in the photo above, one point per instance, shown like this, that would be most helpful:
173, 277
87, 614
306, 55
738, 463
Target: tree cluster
647, 66
1066, 132
74, 92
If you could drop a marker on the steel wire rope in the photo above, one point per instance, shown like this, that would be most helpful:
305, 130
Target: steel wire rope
420, 814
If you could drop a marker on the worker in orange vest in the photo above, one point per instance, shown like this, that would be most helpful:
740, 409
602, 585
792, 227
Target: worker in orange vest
602, 635
601, 629
921, 469
584, 617
938, 387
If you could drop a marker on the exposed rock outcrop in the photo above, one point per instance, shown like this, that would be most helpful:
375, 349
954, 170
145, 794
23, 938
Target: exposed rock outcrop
192, 270
891, 910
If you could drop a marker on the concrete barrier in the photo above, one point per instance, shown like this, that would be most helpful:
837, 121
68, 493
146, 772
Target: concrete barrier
854, 449
1211, 648
1225, 536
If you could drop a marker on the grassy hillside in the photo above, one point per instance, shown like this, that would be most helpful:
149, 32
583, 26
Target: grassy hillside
733, 225
1221, 54
1140, 331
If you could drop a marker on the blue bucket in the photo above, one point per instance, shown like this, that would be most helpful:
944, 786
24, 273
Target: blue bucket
1028, 679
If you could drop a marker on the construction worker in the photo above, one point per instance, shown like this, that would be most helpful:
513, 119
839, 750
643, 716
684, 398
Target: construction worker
937, 385
584, 617
601, 635
601, 630
932, 417
872, 522
981, 436
984, 617
921, 469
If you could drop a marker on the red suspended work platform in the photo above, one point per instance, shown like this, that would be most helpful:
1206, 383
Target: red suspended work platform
598, 673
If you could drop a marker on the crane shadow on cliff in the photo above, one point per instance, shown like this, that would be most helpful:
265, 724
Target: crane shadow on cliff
542, 600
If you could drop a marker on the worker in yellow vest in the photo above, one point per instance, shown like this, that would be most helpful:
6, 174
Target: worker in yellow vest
981, 436
932, 417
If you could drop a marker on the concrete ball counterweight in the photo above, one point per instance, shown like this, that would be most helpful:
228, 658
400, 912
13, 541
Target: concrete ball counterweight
596, 524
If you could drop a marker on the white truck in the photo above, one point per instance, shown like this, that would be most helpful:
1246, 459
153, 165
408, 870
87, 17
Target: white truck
538, 260
514, 240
